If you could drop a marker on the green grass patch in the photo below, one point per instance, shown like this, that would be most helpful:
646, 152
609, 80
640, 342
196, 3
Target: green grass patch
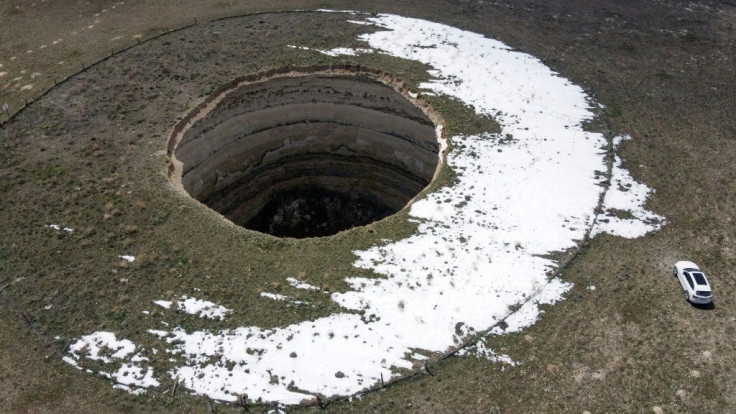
48, 172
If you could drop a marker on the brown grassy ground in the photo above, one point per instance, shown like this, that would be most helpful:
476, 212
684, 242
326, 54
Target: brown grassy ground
666, 73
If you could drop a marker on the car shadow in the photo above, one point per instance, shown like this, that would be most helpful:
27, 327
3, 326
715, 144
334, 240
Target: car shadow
708, 306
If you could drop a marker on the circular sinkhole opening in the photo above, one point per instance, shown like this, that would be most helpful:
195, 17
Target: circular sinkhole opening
306, 154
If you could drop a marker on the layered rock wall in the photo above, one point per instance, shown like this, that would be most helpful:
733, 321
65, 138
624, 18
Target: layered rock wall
339, 134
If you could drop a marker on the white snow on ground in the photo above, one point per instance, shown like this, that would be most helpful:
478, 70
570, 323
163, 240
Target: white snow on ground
94, 343
341, 11
128, 258
476, 262
299, 284
203, 308
71, 361
275, 296
338, 51
480, 350
58, 227
529, 311
283, 298
197, 307
105, 347
628, 196
134, 375
298, 47
346, 51
158, 332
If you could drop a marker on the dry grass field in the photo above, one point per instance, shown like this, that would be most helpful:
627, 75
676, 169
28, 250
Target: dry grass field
664, 70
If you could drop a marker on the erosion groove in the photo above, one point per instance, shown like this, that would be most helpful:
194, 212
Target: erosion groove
307, 154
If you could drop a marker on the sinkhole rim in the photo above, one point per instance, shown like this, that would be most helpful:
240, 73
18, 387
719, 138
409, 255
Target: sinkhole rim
177, 168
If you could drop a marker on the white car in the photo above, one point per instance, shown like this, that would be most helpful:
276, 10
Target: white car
694, 283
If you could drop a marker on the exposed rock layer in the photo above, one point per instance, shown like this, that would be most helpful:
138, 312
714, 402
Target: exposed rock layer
308, 154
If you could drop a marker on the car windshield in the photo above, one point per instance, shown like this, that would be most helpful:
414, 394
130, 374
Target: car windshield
703, 293
699, 278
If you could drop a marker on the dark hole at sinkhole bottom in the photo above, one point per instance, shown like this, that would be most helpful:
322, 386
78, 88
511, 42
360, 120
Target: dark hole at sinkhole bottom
315, 212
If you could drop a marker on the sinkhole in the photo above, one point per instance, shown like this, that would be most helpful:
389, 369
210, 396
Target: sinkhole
296, 154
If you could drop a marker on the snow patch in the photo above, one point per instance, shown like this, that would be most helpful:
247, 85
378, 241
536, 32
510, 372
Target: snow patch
344, 51
299, 284
92, 345
274, 296
283, 298
298, 47
628, 196
197, 307
59, 228
480, 350
105, 347
338, 51
341, 11
529, 311
203, 308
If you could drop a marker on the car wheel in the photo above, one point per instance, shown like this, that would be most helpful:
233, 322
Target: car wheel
687, 298
674, 271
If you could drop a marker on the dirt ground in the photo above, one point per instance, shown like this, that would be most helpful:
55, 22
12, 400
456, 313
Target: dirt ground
665, 72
